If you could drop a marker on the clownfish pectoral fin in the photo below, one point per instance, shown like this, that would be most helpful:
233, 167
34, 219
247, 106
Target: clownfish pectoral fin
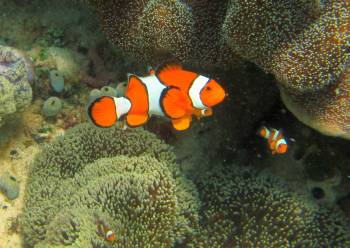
134, 120
150, 70
102, 111
207, 112
182, 123
172, 103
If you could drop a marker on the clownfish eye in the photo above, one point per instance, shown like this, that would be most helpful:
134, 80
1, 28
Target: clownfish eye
208, 88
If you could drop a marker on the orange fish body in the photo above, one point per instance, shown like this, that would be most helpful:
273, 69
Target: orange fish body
110, 236
171, 92
275, 139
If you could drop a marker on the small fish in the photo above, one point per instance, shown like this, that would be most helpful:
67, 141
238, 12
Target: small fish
104, 231
169, 91
275, 139
110, 235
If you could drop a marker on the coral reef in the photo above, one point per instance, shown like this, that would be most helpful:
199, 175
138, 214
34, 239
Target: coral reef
108, 91
16, 74
242, 209
127, 176
56, 81
102, 75
52, 106
314, 73
305, 44
156, 31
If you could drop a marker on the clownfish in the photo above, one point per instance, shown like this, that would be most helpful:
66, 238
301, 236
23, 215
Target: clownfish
104, 231
170, 91
275, 139
110, 235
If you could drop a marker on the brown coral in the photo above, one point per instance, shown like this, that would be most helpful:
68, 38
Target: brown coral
314, 72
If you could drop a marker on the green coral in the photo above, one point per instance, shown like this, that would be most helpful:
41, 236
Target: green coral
52, 106
128, 177
241, 209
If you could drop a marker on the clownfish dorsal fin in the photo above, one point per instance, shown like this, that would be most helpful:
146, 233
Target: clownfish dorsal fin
166, 68
175, 75
173, 103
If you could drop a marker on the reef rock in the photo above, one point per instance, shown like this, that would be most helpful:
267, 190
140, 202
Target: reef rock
16, 74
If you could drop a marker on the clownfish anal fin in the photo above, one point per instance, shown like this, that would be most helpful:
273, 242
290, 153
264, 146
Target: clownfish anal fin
134, 120
172, 103
182, 123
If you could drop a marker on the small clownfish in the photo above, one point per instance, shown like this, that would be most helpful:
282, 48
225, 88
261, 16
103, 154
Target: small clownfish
105, 232
110, 235
275, 139
169, 91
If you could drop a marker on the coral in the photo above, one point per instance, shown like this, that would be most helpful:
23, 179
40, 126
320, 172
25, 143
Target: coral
56, 81
305, 44
94, 94
166, 27
52, 106
67, 62
127, 176
16, 74
254, 29
102, 76
108, 91
155, 31
242, 209
314, 72
9, 186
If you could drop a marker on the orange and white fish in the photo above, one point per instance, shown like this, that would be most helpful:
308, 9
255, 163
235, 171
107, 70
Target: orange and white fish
275, 139
109, 235
104, 231
169, 91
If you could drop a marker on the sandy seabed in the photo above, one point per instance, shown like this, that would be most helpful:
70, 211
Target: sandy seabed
26, 148
10, 210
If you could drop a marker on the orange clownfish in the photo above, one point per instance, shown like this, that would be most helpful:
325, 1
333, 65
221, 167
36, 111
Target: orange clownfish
277, 143
169, 91
110, 235
104, 231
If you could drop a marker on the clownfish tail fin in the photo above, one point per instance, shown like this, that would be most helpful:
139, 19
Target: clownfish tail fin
102, 111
